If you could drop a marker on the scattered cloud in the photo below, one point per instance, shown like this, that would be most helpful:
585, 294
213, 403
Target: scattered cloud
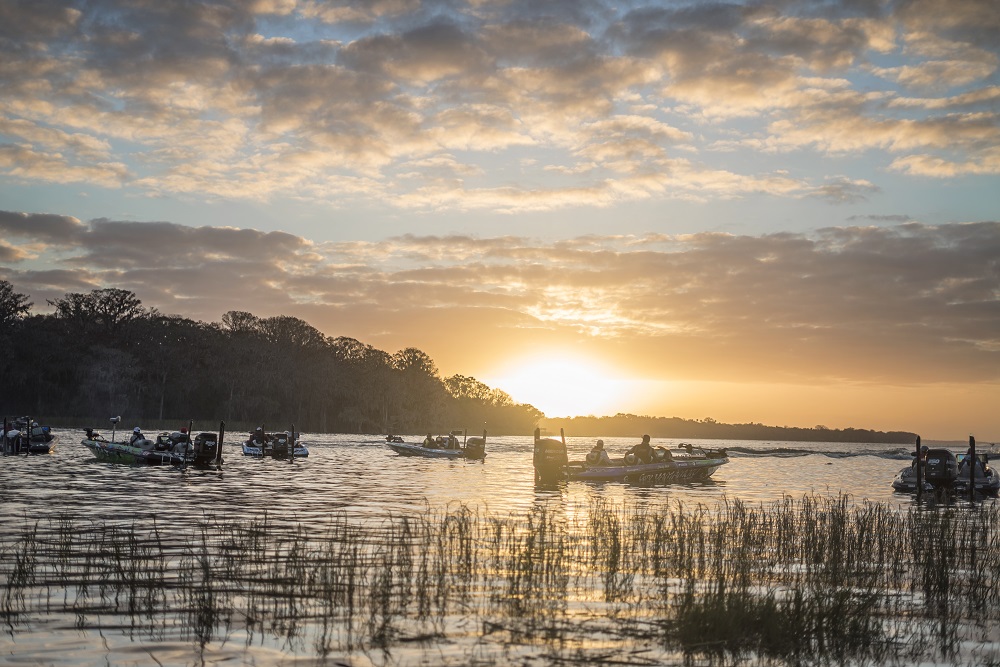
854, 303
430, 105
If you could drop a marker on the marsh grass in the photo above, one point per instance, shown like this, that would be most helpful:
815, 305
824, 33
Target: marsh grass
800, 581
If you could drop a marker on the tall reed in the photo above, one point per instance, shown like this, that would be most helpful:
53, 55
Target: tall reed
800, 581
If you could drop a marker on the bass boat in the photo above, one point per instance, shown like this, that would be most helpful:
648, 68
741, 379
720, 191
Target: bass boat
25, 436
273, 445
444, 447
685, 465
941, 470
167, 448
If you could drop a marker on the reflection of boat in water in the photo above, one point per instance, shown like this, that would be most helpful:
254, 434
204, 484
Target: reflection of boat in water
167, 448
689, 464
444, 447
274, 445
941, 469
25, 436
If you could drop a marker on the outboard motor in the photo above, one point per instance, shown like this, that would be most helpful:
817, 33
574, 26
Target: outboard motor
279, 446
550, 457
941, 468
205, 444
475, 448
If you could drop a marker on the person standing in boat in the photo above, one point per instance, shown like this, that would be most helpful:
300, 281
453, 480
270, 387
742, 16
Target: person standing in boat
598, 456
643, 451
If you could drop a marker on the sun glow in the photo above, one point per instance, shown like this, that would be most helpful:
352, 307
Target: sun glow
563, 386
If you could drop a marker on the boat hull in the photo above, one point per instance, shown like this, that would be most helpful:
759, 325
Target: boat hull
678, 471
407, 449
33, 446
260, 452
120, 452
987, 485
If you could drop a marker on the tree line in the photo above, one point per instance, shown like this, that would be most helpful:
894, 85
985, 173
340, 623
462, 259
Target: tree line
627, 425
103, 353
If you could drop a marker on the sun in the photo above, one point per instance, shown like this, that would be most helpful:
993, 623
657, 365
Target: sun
562, 386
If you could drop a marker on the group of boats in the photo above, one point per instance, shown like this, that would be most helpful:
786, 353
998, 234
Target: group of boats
551, 460
182, 447
935, 469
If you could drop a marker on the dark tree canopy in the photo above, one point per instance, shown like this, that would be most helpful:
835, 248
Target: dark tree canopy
103, 353
14, 306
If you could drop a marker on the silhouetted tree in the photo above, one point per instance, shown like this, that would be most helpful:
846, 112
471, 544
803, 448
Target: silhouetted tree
14, 306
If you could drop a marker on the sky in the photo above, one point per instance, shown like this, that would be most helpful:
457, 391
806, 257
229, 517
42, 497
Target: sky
780, 212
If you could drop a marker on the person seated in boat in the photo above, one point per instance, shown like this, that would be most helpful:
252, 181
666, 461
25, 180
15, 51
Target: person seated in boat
452, 442
429, 441
664, 454
259, 437
136, 436
643, 451
970, 460
598, 456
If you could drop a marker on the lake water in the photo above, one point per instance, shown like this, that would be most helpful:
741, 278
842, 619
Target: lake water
358, 477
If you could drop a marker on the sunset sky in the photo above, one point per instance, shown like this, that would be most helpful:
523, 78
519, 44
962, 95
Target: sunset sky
777, 212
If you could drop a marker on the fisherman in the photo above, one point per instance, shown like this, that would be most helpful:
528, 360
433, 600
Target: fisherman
429, 441
136, 436
598, 456
643, 451
970, 460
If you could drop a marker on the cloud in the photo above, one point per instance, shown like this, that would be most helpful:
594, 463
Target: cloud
854, 303
843, 190
986, 162
41, 227
433, 105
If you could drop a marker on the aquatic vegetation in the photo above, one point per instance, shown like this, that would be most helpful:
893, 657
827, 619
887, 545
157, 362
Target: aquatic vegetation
800, 581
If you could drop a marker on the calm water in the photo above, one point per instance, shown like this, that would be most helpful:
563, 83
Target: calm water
359, 477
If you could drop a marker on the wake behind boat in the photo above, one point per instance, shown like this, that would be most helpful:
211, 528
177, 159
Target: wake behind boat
441, 447
167, 448
657, 466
